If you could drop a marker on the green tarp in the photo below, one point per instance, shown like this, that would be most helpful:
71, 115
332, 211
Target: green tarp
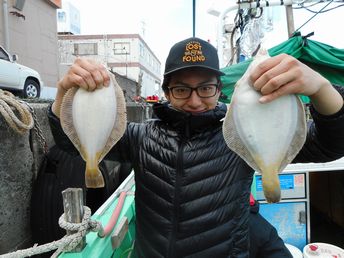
325, 59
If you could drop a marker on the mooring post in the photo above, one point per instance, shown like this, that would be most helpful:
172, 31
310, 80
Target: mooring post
73, 205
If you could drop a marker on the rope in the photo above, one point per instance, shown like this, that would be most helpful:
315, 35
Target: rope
7, 103
71, 241
65, 244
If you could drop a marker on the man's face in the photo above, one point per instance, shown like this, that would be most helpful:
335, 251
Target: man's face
193, 78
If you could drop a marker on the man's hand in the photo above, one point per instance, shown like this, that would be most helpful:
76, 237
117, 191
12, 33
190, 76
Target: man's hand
84, 73
283, 74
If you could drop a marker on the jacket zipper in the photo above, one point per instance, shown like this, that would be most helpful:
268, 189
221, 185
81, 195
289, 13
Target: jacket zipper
176, 202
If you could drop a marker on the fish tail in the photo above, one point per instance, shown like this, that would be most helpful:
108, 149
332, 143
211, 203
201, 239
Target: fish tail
93, 176
271, 186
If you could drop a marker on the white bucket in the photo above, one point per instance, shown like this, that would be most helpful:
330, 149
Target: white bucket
322, 250
296, 252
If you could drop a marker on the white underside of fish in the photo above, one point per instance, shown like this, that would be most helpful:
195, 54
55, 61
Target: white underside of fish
96, 112
267, 136
94, 121
273, 132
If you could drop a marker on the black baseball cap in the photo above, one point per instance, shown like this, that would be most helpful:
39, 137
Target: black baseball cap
191, 52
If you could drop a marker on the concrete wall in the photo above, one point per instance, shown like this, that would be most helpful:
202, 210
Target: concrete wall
18, 170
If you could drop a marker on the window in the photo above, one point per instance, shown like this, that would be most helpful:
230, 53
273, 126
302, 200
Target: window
122, 48
61, 16
3, 55
83, 49
142, 51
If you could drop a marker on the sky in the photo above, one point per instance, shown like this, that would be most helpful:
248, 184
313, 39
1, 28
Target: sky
163, 23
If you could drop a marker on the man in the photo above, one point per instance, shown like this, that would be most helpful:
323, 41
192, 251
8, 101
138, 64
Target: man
264, 239
192, 191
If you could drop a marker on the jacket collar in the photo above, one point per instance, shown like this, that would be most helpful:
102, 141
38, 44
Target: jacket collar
187, 122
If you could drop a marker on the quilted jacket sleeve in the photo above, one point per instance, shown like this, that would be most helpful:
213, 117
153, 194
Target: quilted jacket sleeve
325, 137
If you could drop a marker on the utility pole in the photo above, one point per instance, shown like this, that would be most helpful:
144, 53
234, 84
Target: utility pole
6, 29
193, 18
126, 61
290, 20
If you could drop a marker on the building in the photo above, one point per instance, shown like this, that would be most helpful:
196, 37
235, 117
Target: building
125, 54
28, 29
68, 19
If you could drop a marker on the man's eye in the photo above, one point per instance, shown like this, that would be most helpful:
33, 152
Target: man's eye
180, 90
205, 88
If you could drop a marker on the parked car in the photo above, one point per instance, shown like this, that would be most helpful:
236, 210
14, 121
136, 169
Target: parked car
18, 78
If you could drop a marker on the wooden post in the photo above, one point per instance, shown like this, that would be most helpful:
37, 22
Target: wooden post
73, 205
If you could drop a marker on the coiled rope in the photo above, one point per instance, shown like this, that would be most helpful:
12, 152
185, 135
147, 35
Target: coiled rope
65, 244
8, 103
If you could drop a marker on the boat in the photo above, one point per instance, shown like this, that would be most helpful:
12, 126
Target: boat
120, 242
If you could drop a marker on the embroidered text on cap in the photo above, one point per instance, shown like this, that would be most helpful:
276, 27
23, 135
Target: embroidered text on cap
193, 52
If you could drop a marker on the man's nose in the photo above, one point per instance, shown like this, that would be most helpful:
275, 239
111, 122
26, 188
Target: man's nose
194, 98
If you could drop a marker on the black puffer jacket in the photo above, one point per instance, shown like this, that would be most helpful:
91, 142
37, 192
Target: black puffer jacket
192, 192
264, 239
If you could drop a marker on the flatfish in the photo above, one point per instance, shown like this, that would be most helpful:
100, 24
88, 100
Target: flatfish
94, 121
267, 136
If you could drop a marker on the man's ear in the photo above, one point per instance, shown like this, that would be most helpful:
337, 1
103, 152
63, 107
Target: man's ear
167, 95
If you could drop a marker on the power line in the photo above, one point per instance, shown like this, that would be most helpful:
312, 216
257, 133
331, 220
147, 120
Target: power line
302, 6
314, 15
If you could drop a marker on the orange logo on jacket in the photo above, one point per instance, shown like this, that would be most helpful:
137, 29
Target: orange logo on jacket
193, 52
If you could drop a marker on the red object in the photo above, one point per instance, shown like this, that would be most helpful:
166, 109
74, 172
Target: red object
113, 220
313, 247
252, 201
153, 98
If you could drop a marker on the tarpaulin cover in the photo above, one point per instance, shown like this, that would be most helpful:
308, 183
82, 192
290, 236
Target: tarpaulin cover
325, 59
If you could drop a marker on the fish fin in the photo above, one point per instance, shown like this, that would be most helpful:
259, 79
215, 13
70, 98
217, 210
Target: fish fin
233, 140
271, 186
83, 153
121, 119
93, 175
66, 118
300, 135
